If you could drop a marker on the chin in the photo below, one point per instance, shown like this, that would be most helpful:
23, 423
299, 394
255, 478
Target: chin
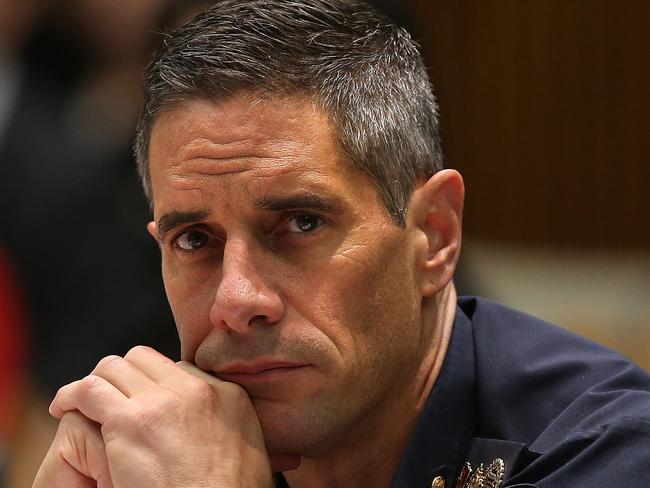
296, 429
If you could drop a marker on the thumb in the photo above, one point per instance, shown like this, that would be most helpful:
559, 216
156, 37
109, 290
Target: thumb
76, 458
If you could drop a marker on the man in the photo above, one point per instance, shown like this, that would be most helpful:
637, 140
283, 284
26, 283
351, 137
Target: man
309, 236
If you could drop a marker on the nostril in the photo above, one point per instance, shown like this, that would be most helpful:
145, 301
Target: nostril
262, 320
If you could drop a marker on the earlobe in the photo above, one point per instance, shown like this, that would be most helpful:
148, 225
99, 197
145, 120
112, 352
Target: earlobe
436, 211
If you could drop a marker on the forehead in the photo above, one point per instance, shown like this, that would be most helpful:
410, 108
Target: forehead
238, 124
200, 141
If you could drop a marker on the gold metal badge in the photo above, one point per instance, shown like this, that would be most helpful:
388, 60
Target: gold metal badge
438, 482
482, 477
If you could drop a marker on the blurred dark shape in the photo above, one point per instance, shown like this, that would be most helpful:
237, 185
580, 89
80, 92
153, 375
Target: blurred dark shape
73, 215
13, 353
395, 10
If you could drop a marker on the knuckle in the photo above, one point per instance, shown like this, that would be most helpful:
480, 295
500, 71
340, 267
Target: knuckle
199, 392
235, 393
92, 382
61, 392
108, 362
138, 351
203, 390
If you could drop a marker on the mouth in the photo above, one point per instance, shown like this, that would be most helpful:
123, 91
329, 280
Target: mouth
263, 371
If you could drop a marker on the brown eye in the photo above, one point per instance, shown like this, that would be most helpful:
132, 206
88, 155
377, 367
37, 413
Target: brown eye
191, 240
305, 223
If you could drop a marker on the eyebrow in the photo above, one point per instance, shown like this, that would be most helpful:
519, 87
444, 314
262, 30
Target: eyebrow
304, 201
173, 220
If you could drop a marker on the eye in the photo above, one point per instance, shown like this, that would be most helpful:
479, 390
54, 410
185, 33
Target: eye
191, 240
304, 223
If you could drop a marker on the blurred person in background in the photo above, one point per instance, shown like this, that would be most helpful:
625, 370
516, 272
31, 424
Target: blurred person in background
17, 22
72, 211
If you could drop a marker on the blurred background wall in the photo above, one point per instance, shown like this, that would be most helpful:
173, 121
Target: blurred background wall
544, 109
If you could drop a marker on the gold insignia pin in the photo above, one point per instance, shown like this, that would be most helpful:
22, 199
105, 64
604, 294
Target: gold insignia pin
438, 482
490, 476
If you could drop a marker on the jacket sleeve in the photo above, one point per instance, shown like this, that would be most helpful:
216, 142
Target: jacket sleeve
616, 454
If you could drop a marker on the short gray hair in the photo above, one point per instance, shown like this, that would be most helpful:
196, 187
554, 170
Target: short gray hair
364, 71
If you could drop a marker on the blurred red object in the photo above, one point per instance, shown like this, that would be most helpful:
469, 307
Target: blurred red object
13, 347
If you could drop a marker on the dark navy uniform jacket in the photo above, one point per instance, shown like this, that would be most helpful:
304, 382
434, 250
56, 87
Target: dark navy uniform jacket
559, 410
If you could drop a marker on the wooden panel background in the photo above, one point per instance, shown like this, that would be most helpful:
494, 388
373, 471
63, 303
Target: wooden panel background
545, 110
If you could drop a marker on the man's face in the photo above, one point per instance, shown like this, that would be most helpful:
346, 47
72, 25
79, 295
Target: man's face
284, 271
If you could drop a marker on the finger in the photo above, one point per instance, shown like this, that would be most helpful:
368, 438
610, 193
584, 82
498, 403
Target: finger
77, 458
55, 472
152, 363
124, 375
174, 376
225, 388
160, 369
195, 371
93, 396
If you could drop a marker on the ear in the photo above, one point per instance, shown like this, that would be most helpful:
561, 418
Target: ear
436, 213
153, 230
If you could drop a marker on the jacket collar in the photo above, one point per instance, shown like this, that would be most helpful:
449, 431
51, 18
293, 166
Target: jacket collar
441, 439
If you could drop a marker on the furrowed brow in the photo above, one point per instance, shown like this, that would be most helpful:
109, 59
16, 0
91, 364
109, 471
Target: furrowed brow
305, 201
173, 220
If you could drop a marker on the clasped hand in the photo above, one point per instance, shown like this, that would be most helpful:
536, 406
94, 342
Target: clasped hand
145, 421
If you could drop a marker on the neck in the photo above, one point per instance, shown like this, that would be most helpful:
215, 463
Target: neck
372, 451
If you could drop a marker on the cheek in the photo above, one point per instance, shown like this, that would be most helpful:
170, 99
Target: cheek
385, 313
190, 302
364, 301
386, 334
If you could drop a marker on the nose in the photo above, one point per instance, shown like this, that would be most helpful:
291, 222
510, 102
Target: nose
244, 296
